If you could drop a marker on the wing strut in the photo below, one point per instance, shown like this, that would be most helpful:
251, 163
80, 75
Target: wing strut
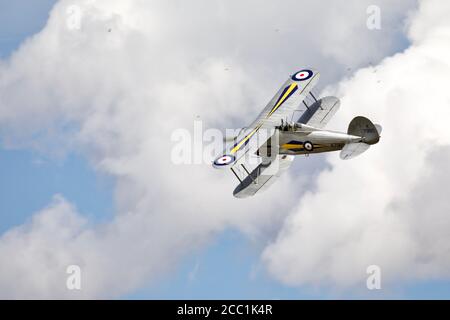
305, 104
248, 173
236, 175
312, 95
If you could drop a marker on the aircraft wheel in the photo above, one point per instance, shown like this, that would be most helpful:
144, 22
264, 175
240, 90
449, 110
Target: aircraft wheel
308, 146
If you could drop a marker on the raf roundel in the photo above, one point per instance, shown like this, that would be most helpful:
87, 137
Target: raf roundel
302, 75
224, 160
308, 146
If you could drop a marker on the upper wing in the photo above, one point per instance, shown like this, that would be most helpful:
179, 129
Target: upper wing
282, 106
287, 99
319, 113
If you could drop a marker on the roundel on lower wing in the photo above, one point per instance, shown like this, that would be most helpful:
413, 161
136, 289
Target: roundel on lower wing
302, 75
224, 160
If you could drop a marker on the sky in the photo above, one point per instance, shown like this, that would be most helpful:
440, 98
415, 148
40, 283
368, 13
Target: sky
86, 115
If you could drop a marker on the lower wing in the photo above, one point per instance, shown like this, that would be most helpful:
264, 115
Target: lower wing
262, 176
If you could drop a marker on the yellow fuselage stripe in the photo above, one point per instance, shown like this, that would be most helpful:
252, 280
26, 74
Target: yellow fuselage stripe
297, 146
292, 146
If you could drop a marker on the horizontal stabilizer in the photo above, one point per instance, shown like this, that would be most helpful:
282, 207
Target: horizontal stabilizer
353, 149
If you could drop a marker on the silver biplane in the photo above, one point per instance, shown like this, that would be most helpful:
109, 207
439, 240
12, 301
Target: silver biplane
291, 124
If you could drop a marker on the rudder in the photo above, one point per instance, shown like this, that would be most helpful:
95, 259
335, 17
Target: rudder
363, 127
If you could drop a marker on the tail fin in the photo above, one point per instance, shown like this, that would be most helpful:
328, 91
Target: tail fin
369, 133
364, 128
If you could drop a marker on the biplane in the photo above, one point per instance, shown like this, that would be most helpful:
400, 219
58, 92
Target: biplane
291, 124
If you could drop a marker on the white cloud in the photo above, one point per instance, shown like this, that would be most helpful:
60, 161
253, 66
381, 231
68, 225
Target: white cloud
45, 238
389, 206
116, 89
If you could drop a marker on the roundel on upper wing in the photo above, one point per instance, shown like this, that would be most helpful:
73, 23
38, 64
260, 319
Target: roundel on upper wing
224, 160
302, 75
